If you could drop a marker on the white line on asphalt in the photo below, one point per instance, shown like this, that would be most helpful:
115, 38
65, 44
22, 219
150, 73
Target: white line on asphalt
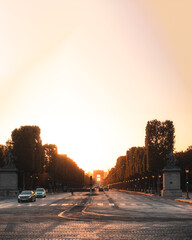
6, 205
100, 204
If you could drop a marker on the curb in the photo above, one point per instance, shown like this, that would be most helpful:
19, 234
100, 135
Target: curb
141, 193
184, 200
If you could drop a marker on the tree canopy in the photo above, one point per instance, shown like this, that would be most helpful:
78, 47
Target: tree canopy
27, 147
141, 163
159, 142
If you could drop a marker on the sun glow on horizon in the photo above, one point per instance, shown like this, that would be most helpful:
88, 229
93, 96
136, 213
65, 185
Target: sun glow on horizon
83, 141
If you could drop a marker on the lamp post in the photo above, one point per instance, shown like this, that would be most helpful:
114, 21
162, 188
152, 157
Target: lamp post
139, 184
158, 184
153, 184
143, 184
187, 183
31, 179
146, 183
37, 181
90, 184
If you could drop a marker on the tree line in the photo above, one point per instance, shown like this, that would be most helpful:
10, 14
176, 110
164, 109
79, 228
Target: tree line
141, 168
40, 165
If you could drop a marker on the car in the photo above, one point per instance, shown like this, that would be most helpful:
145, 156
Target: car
106, 189
40, 193
26, 196
100, 189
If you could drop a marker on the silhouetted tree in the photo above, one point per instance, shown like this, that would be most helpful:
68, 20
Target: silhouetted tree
184, 161
136, 162
120, 168
2, 155
50, 155
27, 148
159, 142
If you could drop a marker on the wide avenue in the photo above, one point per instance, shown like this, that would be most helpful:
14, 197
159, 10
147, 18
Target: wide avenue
104, 215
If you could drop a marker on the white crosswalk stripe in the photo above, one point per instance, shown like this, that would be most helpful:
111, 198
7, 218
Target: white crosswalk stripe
100, 204
111, 204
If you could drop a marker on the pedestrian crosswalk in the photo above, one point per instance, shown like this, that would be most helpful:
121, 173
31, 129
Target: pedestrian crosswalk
95, 204
9, 205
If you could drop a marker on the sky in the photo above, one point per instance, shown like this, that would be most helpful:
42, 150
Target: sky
91, 73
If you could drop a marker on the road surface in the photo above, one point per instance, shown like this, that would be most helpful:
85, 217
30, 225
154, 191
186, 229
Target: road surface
104, 215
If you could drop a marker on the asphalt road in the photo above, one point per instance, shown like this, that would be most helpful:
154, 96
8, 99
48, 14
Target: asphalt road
104, 215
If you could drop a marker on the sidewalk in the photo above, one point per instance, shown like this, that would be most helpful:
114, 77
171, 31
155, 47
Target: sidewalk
182, 199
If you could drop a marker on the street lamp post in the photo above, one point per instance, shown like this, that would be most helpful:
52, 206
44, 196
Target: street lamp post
153, 184
139, 184
90, 184
187, 183
146, 184
143, 186
31, 179
159, 184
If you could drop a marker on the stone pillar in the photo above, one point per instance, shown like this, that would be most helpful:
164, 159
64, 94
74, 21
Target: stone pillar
171, 182
8, 182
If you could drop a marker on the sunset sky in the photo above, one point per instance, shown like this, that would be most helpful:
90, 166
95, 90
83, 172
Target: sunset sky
91, 73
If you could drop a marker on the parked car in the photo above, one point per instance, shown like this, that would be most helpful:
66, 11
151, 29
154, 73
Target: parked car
40, 192
100, 189
26, 196
106, 189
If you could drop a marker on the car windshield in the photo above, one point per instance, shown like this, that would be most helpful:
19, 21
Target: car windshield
26, 192
40, 190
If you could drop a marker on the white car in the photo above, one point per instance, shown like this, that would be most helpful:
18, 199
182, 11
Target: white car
40, 192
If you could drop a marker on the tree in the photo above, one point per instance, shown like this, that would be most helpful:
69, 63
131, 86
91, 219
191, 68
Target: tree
50, 154
159, 142
27, 148
184, 160
136, 162
2, 155
120, 168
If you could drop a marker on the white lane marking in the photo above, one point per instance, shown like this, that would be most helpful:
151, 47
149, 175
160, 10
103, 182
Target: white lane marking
6, 205
111, 204
122, 204
100, 204
53, 204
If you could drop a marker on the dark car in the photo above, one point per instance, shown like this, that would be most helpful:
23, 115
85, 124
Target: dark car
40, 192
100, 189
27, 196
